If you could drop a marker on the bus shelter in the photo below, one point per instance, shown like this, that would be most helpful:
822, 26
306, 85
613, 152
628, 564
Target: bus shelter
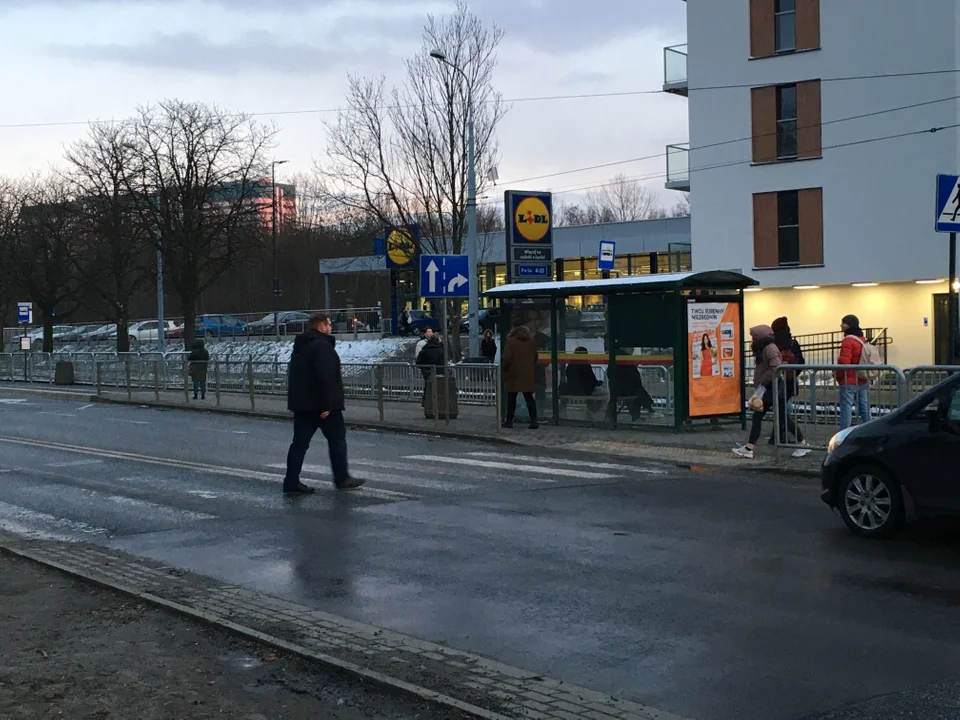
663, 349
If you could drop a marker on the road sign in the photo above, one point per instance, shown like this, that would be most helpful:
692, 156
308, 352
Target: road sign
532, 254
608, 250
402, 246
25, 313
444, 276
948, 203
379, 246
537, 272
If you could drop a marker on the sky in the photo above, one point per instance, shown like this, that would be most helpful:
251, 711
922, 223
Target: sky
71, 61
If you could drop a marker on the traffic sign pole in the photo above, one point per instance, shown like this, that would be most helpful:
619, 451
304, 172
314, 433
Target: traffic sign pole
952, 312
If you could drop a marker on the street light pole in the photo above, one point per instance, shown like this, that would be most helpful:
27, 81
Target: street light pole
473, 327
276, 271
160, 319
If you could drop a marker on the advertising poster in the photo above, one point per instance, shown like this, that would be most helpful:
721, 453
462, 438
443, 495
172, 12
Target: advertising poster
713, 347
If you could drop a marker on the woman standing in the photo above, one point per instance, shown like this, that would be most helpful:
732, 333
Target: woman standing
707, 355
488, 347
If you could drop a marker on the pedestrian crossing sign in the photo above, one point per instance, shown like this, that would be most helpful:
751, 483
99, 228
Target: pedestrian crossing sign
948, 203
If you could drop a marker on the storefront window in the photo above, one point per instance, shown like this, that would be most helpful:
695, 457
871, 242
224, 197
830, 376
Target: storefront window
639, 264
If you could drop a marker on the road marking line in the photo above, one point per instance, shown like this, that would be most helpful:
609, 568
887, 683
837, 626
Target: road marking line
157, 508
14, 516
56, 414
13, 401
75, 463
217, 430
198, 467
131, 422
387, 477
85, 407
560, 461
539, 469
480, 477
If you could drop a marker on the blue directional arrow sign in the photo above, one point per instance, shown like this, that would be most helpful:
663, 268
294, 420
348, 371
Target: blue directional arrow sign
948, 203
444, 276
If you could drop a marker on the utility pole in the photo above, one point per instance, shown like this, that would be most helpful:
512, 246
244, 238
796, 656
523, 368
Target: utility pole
953, 314
473, 326
276, 271
160, 318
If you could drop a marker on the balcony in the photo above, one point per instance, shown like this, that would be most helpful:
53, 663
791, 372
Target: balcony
675, 69
678, 167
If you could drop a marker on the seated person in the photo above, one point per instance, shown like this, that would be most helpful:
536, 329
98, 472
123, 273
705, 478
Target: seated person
580, 377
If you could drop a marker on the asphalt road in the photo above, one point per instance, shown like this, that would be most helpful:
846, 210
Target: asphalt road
716, 596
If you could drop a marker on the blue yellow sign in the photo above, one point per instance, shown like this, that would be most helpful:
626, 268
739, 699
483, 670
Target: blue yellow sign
403, 246
529, 220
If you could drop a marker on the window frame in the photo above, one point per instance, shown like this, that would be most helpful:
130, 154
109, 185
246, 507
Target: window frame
784, 124
794, 227
778, 15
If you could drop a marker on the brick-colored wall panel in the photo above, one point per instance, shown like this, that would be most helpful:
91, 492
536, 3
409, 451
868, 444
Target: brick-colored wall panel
809, 135
762, 32
811, 226
766, 248
808, 24
764, 121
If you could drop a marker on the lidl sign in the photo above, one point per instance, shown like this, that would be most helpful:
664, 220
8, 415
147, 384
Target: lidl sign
529, 222
402, 246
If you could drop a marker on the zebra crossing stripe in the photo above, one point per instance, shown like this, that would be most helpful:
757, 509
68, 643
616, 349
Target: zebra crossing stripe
564, 461
515, 467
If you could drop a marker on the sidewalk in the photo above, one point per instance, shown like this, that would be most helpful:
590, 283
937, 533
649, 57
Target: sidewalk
73, 650
705, 447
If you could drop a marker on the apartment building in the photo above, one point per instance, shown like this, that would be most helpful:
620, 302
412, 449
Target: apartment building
812, 157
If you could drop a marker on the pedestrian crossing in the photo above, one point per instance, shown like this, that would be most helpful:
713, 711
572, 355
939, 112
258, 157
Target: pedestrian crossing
72, 493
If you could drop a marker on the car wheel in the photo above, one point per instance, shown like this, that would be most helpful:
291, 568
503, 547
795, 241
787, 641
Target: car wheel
870, 502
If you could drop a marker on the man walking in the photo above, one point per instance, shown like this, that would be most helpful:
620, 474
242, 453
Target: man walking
315, 397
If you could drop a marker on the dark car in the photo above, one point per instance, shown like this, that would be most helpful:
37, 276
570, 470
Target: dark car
420, 321
219, 326
489, 320
292, 322
902, 465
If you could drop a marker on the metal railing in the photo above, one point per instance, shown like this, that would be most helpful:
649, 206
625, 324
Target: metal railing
824, 348
812, 413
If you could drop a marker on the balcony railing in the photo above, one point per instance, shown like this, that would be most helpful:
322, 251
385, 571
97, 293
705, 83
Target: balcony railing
678, 167
675, 69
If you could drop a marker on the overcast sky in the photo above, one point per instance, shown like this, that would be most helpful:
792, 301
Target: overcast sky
75, 60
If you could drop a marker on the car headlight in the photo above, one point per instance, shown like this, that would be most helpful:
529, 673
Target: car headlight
837, 440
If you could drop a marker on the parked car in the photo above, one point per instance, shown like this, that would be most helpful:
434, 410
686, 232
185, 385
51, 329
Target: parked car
219, 326
594, 317
149, 330
420, 321
102, 333
291, 323
489, 320
77, 333
900, 466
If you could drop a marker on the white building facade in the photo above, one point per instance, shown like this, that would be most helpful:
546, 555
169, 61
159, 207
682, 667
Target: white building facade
812, 174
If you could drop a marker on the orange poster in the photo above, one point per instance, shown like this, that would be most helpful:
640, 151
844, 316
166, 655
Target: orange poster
713, 354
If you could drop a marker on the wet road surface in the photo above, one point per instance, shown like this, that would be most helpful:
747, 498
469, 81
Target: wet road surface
708, 594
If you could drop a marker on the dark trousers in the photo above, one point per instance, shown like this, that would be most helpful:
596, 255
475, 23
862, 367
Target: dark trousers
786, 423
512, 405
199, 387
305, 426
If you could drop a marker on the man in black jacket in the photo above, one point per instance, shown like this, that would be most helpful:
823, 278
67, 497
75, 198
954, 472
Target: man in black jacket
315, 397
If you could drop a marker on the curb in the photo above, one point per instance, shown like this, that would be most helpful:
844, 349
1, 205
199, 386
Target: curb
703, 460
362, 673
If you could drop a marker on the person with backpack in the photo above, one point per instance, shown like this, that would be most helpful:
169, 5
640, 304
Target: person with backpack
854, 350
791, 354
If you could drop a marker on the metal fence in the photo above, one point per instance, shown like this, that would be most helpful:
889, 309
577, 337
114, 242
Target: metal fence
809, 398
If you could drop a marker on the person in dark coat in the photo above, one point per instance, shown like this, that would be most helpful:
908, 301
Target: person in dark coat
431, 357
791, 354
580, 377
519, 361
199, 359
488, 347
315, 396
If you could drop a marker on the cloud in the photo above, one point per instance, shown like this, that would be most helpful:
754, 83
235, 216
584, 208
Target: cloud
253, 52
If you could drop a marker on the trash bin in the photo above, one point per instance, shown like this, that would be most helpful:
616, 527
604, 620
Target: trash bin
63, 374
446, 397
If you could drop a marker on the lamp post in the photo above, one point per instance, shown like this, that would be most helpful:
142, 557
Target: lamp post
276, 272
472, 302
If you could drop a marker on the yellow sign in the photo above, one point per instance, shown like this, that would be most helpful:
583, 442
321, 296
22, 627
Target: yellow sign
532, 219
401, 247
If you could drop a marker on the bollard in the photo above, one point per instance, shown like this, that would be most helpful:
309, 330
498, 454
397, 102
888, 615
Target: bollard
156, 380
378, 372
216, 380
186, 383
499, 403
250, 383
99, 379
129, 388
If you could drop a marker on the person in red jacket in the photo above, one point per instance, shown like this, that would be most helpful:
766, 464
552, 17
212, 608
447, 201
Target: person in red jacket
853, 388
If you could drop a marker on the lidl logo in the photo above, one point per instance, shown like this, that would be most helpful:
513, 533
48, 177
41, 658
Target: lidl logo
401, 247
532, 219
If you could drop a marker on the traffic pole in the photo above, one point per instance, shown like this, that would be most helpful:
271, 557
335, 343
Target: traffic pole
952, 310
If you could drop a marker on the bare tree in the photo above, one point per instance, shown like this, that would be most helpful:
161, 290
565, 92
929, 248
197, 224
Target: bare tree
39, 222
682, 207
205, 187
400, 156
116, 259
622, 200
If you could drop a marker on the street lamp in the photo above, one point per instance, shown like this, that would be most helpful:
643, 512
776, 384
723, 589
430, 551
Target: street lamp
472, 304
276, 272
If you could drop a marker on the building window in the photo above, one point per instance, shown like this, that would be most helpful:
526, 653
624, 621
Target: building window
785, 25
786, 122
788, 228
